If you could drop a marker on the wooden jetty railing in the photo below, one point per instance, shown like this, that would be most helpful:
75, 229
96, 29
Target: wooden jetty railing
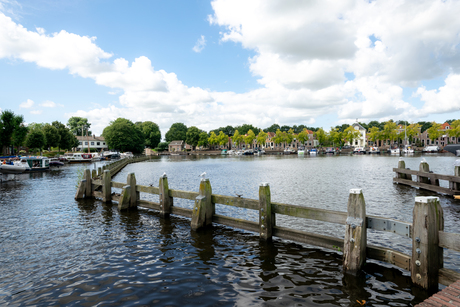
426, 179
426, 231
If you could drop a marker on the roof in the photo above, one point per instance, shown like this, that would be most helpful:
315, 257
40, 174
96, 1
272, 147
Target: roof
359, 126
176, 143
90, 138
446, 124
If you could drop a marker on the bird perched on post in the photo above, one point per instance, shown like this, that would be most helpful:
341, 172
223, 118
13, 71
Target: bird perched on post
164, 175
203, 176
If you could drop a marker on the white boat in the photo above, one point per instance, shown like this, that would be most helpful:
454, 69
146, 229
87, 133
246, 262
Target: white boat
394, 150
259, 152
302, 151
35, 163
330, 150
288, 151
313, 151
231, 152
431, 149
126, 154
373, 150
359, 150
15, 168
79, 157
111, 155
407, 149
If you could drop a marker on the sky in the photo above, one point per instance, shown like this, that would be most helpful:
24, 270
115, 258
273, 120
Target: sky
215, 63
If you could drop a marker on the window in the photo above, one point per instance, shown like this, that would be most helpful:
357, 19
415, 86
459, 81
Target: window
98, 143
86, 143
92, 143
103, 143
79, 142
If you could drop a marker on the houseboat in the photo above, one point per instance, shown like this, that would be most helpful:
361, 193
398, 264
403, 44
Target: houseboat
359, 150
79, 157
35, 164
373, 150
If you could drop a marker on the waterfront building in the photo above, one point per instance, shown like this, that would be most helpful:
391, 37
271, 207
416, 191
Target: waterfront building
176, 146
93, 142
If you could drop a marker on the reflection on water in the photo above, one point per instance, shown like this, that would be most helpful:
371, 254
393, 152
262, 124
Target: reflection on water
58, 251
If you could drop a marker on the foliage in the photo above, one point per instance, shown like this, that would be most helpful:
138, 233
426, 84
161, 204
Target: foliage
35, 139
261, 137
424, 126
203, 141
13, 130
212, 140
222, 138
375, 123
278, 138
321, 136
123, 135
335, 136
162, 146
52, 136
455, 128
237, 138
79, 125
273, 128
67, 139
390, 131
435, 131
177, 132
193, 136
228, 130
151, 133
373, 134
350, 134
303, 136
249, 137
245, 128
412, 131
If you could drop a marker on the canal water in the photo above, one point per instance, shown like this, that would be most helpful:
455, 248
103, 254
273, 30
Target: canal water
61, 252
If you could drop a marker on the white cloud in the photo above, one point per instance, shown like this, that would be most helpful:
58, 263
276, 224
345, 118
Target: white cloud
50, 104
200, 44
446, 99
27, 104
36, 112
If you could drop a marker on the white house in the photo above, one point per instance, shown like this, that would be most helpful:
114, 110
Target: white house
361, 140
97, 142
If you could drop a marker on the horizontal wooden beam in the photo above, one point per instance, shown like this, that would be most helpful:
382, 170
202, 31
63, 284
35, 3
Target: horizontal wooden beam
447, 277
118, 185
237, 223
426, 186
388, 255
308, 238
449, 240
310, 213
148, 189
430, 175
183, 194
235, 201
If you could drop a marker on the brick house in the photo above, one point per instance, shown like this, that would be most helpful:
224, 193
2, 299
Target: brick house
176, 146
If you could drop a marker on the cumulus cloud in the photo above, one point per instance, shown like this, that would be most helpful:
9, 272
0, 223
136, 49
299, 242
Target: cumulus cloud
27, 104
446, 99
200, 44
36, 112
50, 104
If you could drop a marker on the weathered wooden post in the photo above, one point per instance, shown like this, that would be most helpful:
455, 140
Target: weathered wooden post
88, 187
204, 208
266, 216
166, 201
106, 187
99, 171
354, 247
402, 164
455, 185
80, 189
125, 198
131, 180
427, 256
93, 173
425, 168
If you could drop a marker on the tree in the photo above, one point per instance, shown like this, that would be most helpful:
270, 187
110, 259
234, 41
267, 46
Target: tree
350, 134
321, 136
212, 140
412, 131
373, 134
435, 131
245, 128
67, 139
390, 131
52, 137
162, 146
375, 123
124, 135
303, 136
35, 139
455, 128
76, 124
12, 129
151, 133
335, 136
177, 132
20, 132
222, 138
228, 130
203, 141
424, 126
261, 137
273, 128
285, 128
250, 137
237, 138
278, 138
193, 136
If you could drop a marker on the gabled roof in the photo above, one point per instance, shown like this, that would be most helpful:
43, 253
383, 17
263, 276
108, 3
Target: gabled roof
271, 134
176, 143
446, 124
90, 138
358, 125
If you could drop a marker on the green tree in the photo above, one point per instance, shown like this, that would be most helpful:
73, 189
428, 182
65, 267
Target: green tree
390, 131
124, 135
424, 126
222, 138
335, 136
373, 134
303, 136
375, 123
228, 130
35, 139
12, 129
261, 137
321, 136
279, 137
250, 137
151, 133
285, 128
66, 138
76, 124
212, 140
52, 137
455, 128
193, 136
273, 128
203, 141
177, 132
245, 128
237, 138
162, 146
350, 134
435, 131
412, 131
20, 132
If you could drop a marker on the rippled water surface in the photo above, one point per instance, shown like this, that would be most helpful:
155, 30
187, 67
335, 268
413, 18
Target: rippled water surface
58, 251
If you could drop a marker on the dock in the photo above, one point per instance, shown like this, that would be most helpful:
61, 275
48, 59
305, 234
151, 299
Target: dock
448, 297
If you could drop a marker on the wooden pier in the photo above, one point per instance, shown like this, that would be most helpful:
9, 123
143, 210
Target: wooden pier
426, 232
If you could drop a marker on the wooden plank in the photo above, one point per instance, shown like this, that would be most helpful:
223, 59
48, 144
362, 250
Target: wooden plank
183, 194
97, 182
447, 277
233, 201
389, 255
116, 197
430, 175
148, 204
449, 240
119, 185
148, 189
98, 194
310, 213
236, 223
181, 211
308, 238
426, 186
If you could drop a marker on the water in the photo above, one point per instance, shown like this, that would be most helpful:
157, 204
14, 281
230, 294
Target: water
58, 251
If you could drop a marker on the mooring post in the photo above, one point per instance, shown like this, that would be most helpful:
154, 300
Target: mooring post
204, 209
425, 168
427, 256
80, 189
106, 187
131, 181
402, 164
93, 173
99, 171
266, 216
354, 247
166, 201
125, 198
88, 189
455, 185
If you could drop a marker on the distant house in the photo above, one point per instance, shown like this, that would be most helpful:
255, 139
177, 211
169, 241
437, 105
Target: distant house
93, 142
361, 140
176, 146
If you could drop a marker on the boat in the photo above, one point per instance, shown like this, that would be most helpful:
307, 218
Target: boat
35, 163
126, 154
288, 151
313, 151
259, 152
15, 167
302, 151
111, 154
224, 152
394, 150
79, 157
407, 149
56, 162
330, 150
248, 152
359, 150
373, 150
431, 149
231, 152
453, 148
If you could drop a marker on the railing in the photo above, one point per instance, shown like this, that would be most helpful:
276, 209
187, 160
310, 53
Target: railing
426, 231
426, 179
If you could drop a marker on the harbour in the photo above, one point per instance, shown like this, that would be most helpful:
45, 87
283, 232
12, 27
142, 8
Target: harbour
230, 267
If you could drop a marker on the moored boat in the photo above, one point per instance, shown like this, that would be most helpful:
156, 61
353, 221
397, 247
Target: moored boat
313, 151
302, 151
359, 150
35, 163
330, 150
56, 162
394, 150
431, 149
79, 157
373, 150
407, 149
15, 167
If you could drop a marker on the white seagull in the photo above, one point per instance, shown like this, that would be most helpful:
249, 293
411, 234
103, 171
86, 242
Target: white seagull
423, 160
203, 176
164, 174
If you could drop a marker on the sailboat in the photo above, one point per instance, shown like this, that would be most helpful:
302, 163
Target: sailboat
408, 149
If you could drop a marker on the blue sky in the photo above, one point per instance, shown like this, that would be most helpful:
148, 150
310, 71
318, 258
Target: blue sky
262, 61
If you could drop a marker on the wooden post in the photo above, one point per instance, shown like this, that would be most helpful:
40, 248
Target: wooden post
424, 167
93, 173
266, 216
88, 188
99, 171
427, 256
204, 209
354, 247
166, 201
402, 164
125, 198
106, 187
454, 185
131, 180
81, 189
